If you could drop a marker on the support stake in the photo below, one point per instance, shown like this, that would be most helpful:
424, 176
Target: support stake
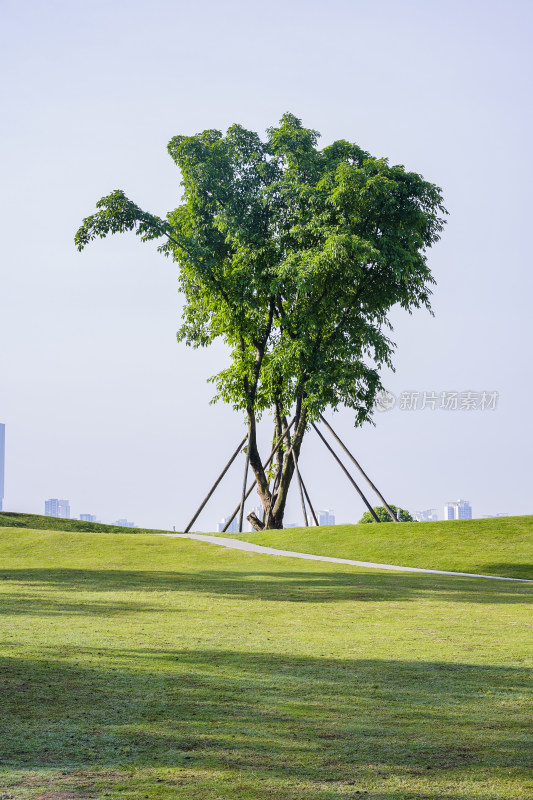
301, 486
361, 470
241, 514
337, 459
298, 478
265, 465
309, 502
228, 465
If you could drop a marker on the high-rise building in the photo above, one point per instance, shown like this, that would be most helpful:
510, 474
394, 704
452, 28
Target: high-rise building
429, 515
458, 509
88, 517
2, 461
324, 517
124, 523
57, 508
233, 528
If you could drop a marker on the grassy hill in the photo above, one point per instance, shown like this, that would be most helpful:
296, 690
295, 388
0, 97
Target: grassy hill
151, 667
16, 519
499, 546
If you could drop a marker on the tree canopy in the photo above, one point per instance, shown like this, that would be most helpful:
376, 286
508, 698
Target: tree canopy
293, 256
383, 515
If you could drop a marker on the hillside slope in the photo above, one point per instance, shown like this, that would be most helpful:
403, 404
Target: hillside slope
500, 546
18, 519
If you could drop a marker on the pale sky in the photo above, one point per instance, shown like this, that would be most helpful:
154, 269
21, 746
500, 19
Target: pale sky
100, 403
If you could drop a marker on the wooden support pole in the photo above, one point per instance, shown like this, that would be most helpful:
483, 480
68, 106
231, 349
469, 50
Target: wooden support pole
361, 470
241, 513
302, 484
265, 465
298, 478
228, 465
309, 502
337, 459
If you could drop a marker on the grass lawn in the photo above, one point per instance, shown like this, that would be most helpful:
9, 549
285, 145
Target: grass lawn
499, 546
150, 667
17, 519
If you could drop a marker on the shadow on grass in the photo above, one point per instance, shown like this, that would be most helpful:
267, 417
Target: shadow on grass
21, 604
338, 723
306, 586
510, 570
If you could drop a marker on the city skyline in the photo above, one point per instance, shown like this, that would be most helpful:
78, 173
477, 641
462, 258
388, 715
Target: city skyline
55, 507
428, 515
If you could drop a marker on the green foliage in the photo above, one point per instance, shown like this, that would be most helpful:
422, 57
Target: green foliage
401, 514
293, 256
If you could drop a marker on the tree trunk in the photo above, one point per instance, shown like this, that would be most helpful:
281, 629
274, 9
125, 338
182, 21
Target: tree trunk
274, 501
263, 489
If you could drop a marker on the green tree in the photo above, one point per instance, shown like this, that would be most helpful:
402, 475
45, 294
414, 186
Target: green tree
293, 256
401, 514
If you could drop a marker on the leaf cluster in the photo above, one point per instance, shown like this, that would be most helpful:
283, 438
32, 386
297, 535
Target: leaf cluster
401, 515
294, 257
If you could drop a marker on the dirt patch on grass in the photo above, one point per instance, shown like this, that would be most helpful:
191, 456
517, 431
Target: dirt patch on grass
70, 795
76, 785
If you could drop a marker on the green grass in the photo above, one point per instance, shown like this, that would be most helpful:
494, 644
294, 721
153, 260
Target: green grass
17, 519
499, 546
151, 667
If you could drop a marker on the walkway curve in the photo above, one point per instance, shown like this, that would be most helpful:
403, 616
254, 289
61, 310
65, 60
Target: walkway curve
238, 544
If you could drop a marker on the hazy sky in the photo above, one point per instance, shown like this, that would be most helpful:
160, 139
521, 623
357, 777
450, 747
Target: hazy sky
101, 405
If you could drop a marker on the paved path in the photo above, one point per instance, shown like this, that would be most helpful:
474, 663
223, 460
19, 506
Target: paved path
237, 544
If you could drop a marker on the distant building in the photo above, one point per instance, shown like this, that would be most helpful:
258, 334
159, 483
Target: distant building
124, 523
88, 517
57, 508
429, 515
233, 528
324, 517
2, 461
492, 516
458, 509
